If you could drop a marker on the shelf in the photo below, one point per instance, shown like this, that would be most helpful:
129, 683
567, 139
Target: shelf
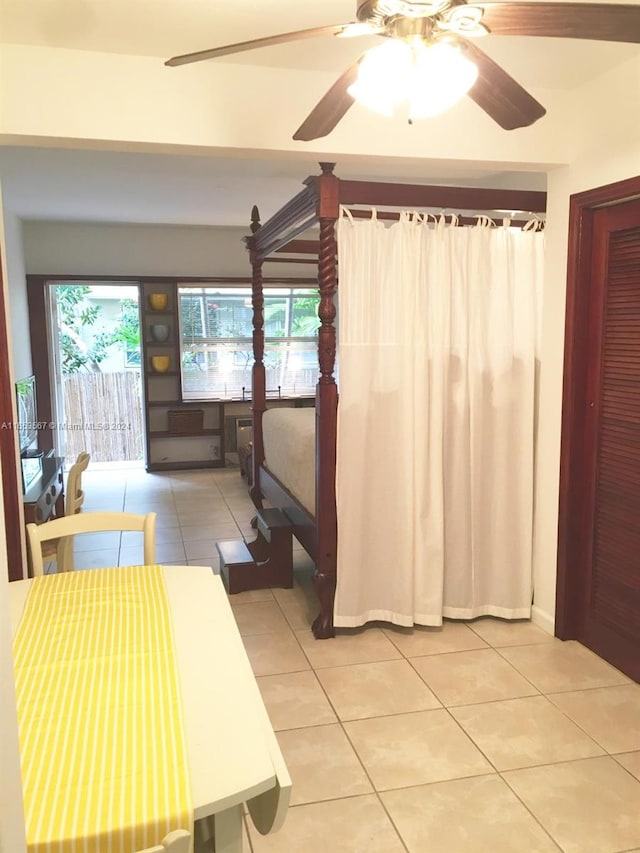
184, 466
167, 450
167, 434
176, 403
153, 313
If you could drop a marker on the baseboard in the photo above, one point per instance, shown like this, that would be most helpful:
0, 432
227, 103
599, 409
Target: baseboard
543, 620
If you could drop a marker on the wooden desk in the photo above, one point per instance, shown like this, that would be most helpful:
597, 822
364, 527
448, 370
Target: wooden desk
44, 499
233, 754
45, 496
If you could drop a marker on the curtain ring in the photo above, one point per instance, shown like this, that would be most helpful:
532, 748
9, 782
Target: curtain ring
344, 211
484, 221
533, 224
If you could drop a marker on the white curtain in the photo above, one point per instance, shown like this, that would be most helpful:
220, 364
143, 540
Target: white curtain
435, 456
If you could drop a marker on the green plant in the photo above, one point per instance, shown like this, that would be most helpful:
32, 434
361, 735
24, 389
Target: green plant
82, 351
128, 332
75, 312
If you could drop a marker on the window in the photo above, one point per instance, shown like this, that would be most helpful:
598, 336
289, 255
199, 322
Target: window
216, 341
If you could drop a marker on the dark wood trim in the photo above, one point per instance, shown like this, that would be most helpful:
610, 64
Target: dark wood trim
9, 454
303, 524
324, 576
572, 564
258, 375
40, 356
187, 466
301, 247
293, 219
276, 260
449, 198
161, 279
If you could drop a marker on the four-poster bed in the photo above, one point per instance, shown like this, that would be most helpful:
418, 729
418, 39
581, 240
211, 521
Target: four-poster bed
319, 204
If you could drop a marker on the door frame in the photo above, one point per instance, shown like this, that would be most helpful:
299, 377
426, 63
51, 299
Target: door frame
9, 450
572, 564
43, 326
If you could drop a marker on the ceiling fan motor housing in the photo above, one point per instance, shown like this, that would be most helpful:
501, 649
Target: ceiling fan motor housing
378, 12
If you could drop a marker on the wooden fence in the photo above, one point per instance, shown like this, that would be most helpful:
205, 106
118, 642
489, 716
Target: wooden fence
103, 415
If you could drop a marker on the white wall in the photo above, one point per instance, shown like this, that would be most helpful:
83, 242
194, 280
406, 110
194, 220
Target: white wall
140, 250
606, 149
136, 101
12, 837
17, 303
135, 250
12, 834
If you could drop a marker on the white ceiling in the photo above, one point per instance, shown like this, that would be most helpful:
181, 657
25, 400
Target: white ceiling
96, 185
164, 28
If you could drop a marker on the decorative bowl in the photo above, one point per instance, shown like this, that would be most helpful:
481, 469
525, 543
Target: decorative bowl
160, 332
158, 301
160, 363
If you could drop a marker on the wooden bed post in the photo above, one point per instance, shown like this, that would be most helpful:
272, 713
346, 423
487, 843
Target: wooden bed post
324, 576
258, 379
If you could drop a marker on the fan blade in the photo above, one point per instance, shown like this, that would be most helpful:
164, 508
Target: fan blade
282, 38
597, 21
498, 94
330, 109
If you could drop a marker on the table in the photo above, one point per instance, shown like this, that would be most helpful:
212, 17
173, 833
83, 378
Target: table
233, 754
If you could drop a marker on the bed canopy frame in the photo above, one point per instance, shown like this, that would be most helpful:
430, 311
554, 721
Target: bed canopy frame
318, 204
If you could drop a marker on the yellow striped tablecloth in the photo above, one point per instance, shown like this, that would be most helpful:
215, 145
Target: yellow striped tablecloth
103, 755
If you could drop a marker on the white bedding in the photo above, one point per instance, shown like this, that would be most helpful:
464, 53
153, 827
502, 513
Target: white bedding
289, 437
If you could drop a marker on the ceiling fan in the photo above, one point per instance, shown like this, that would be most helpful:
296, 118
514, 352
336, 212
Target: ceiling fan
427, 47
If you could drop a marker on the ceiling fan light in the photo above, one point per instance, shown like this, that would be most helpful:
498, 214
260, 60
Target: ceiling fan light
382, 75
441, 76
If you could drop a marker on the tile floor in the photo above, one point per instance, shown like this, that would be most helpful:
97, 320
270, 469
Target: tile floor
478, 738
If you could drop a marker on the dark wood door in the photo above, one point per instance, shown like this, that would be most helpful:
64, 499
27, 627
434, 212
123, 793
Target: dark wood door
604, 494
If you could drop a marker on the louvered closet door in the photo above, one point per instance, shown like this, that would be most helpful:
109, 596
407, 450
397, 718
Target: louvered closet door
612, 613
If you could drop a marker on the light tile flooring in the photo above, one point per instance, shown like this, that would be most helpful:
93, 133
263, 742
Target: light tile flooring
478, 738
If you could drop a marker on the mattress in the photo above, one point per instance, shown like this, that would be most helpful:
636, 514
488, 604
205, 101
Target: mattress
289, 437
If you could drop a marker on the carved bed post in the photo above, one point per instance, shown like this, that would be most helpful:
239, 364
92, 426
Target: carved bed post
258, 379
324, 577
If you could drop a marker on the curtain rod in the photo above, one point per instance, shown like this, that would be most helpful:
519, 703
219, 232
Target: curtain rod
357, 213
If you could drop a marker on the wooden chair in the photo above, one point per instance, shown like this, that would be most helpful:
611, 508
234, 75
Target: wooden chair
74, 495
175, 842
91, 522
62, 549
